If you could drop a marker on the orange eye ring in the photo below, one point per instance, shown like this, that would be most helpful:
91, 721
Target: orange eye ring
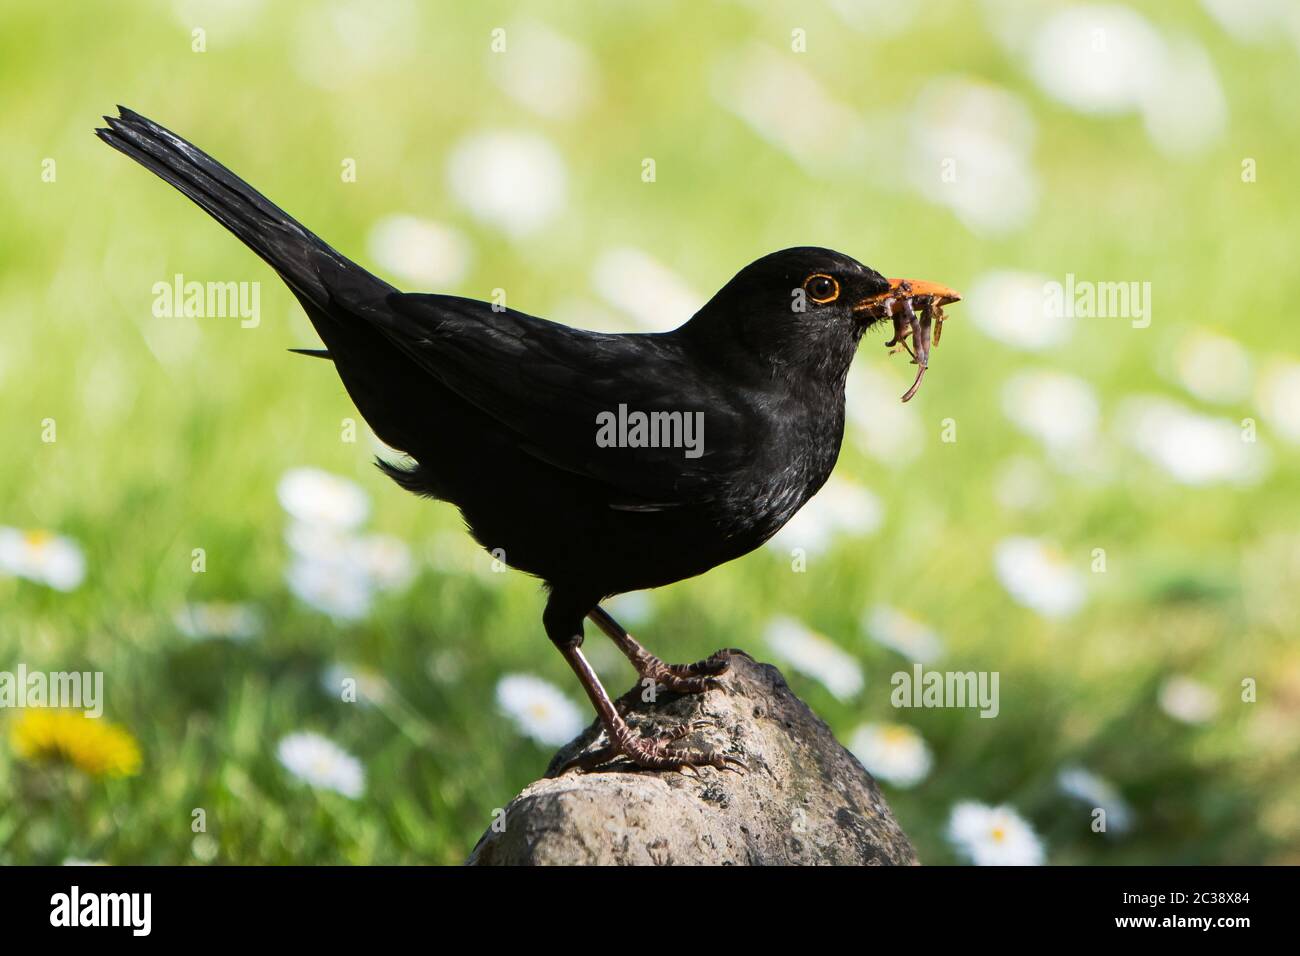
818, 290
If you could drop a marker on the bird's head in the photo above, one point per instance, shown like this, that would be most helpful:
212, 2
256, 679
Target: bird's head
801, 312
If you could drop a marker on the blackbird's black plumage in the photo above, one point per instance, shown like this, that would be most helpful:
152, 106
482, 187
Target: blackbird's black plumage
498, 412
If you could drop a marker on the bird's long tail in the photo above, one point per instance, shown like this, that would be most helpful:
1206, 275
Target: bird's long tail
309, 266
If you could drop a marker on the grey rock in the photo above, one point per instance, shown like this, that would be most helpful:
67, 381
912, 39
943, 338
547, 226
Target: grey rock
804, 799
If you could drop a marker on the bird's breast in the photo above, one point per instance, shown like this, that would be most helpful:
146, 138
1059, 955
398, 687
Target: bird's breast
794, 460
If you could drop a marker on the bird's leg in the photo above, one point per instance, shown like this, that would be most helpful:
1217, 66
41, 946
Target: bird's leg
563, 621
658, 753
679, 678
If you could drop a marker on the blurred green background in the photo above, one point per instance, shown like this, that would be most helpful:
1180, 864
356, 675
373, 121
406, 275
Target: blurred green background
993, 147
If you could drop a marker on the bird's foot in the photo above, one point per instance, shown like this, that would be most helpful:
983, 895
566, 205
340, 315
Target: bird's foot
665, 754
657, 753
711, 666
693, 678
680, 678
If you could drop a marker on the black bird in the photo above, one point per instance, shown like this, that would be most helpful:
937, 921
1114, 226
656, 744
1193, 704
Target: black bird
599, 463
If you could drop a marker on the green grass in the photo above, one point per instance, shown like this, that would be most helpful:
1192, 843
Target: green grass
172, 435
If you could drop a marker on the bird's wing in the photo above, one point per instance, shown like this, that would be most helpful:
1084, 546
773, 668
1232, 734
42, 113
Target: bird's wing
553, 386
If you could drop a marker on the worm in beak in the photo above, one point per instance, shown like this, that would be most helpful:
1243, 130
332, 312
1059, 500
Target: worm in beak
901, 304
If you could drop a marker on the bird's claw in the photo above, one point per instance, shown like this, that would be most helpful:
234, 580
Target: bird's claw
589, 759
657, 753
732, 763
688, 685
662, 755
712, 665
685, 730
693, 678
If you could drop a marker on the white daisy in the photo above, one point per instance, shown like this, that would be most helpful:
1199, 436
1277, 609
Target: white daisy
338, 572
544, 71
902, 632
894, 753
424, 253
370, 687
1186, 111
334, 569
42, 556
1188, 700
1097, 793
1039, 576
321, 763
316, 497
514, 181
205, 848
222, 619
539, 708
1095, 58
815, 655
652, 294
1059, 410
317, 542
970, 148
1012, 307
1278, 397
335, 587
1212, 367
841, 507
1107, 59
385, 560
994, 836
1192, 448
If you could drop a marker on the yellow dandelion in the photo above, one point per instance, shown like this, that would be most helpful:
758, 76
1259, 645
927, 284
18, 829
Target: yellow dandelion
92, 745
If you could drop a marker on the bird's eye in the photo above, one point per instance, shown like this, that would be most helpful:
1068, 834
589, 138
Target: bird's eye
821, 288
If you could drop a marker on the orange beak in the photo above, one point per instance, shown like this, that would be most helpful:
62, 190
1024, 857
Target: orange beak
919, 287
910, 289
